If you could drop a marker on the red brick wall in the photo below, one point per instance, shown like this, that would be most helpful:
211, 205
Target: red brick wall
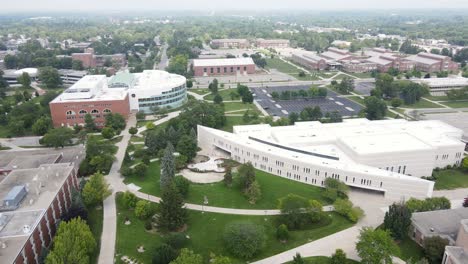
199, 71
86, 58
58, 111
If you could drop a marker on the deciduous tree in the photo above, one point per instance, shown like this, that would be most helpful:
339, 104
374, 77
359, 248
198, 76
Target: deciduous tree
376, 246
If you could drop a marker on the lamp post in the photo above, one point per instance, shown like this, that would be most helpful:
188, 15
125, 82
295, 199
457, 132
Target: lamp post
205, 202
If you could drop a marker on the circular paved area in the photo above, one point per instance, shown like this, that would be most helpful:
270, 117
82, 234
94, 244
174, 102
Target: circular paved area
202, 177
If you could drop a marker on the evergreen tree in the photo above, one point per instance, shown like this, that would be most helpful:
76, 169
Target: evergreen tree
172, 214
228, 177
298, 259
398, 220
167, 166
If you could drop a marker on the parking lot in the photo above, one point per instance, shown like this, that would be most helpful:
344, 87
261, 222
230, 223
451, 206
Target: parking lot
283, 108
364, 88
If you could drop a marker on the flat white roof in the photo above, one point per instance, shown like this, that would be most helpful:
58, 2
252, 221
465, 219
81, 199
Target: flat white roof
222, 62
437, 82
158, 80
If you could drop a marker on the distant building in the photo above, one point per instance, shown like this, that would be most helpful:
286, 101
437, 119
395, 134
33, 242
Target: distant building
272, 43
212, 67
335, 54
440, 86
98, 95
230, 43
11, 76
429, 62
357, 66
310, 60
90, 60
36, 192
458, 253
70, 77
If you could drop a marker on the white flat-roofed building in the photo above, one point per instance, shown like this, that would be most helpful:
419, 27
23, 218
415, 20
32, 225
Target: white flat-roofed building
439, 86
387, 156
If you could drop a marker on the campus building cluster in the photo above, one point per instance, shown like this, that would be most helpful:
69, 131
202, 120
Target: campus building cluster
451, 224
234, 66
91, 60
440, 86
376, 59
388, 156
36, 191
122, 93
244, 43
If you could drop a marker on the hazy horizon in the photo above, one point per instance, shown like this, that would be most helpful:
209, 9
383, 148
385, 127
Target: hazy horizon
210, 5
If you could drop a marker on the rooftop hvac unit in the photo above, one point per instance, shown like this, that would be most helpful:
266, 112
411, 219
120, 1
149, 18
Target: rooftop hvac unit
15, 196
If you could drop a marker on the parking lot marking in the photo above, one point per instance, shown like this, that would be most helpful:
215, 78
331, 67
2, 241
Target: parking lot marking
338, 103
285, 112
277, 105
331, 98
349, 109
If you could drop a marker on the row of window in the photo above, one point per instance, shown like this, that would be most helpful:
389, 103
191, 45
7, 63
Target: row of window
157, 98
399, 169
218, 69
88, 106
84, 112
178, 99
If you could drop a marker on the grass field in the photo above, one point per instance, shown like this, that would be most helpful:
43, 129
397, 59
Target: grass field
95, 219
456, 104
205, 232
272, 187
232, 121
281, 66
419, 104
233, 106
363, 75
225, 94
322, 260
356, 99
437, 98
450, 179
308, 77
199, 91
410, 250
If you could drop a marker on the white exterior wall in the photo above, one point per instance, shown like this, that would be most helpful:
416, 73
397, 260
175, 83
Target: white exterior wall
274, 161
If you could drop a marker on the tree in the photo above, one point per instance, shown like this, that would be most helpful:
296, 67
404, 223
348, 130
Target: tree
129, 199
143, 209
49, 77
337, 187
434, 248
77, 65
219, 259
247, 97
172, 214
218, 99
339, 257
253, 192
346, 85
77, 207
282, 232
57, 137
244, 239
384, 84
116, 121
187, 146
189, 84
345, 208
375, 108
188, 257
42, 125
228, 177
182, 185
178, 65
167, 166
297, 211
376, 246
95, 190
396, 102
213, 86
397, 220
10, 61
428, 204
133, 131
246, 175
73, 243
108, 132
89, 123
24, 80
140, 170
297, 259
164, 254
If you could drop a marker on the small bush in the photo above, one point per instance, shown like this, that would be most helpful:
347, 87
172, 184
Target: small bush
244, 239
177, 240
164, 254
129, 200
282, 232
148, 225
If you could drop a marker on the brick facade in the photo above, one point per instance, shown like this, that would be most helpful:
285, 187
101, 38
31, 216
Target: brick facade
223, 70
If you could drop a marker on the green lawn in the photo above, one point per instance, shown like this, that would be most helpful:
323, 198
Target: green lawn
4, 132
281, 66
232, 121
95, 219
308, 77
357, 99
273, 188
137, 139
437, 98
233, 106
205, 232
363, 75
419, 104
450, 179
410, 249
456, 104
322, 260
199, 91
225, 94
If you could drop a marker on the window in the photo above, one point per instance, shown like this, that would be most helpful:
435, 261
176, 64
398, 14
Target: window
211, 70
245, 68
106, 111
218, 70
133, 95
83, 112
204, 70
232, 69
70, 112
225, 69
94, 111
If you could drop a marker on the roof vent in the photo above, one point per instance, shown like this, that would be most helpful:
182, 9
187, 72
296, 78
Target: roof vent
26, 229
432, 229
3, 245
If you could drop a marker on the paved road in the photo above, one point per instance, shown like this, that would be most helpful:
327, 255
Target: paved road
164, 62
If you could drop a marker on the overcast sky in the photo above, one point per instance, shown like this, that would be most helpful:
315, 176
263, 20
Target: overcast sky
148, 5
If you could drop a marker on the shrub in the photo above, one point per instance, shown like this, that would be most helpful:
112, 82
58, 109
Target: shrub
339, 257
133, 130
148, 224
434, 248
282, 232
177, 240
129, 200
143, 209
164, 254
108, 133
244, 239
182, 185
140, 170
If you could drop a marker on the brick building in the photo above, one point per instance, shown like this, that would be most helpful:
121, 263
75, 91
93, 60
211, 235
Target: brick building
310, 60
29, 222
91, 60
272, 43
88, 96
213, 67
429, 62
230, 43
